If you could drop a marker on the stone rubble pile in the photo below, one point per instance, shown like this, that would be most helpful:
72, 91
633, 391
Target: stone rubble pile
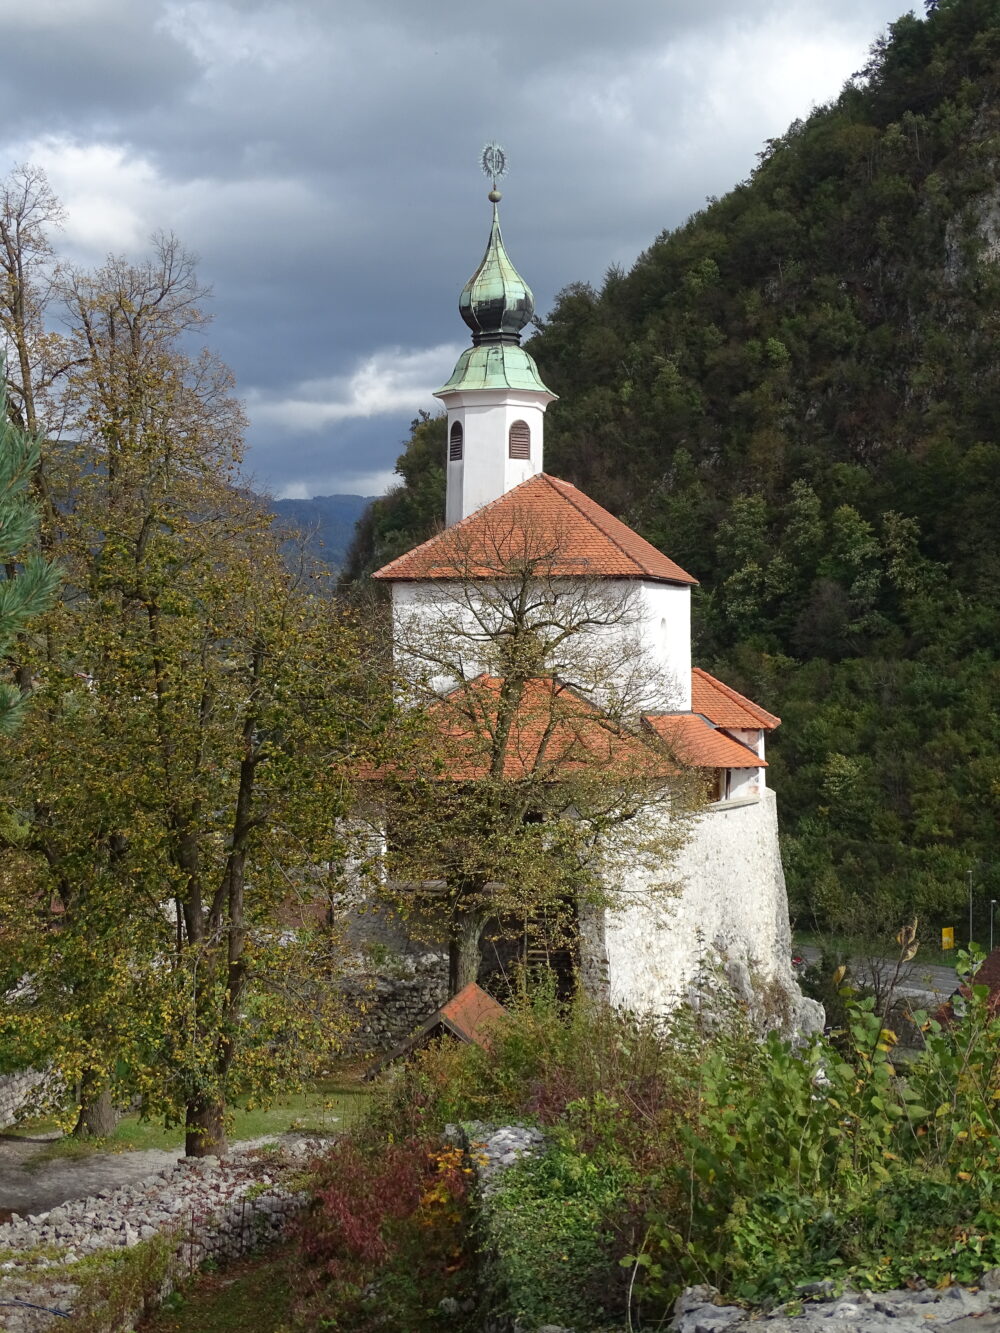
493, 1149
961, 1309
214, 1209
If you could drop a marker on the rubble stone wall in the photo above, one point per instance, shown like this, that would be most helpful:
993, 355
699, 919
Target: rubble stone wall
390, 1003
15, 1093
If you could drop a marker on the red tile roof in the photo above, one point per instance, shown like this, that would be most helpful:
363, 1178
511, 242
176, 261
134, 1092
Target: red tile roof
723, 706
557, 729
546, 521
554, 729
697, 744
471, 1015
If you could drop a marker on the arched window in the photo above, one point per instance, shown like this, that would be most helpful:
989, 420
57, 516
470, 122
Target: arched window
455, 443
519, 440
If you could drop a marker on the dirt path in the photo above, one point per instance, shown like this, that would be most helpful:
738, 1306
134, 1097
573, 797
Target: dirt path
35, 1189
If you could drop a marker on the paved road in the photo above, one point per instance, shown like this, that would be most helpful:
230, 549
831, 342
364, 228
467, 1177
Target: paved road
917, 978
36, 1187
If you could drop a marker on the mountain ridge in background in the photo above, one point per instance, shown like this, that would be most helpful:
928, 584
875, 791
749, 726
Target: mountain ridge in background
326, 521
796, 395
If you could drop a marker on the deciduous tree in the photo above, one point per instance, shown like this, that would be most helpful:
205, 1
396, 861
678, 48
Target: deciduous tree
29, 582
201, 710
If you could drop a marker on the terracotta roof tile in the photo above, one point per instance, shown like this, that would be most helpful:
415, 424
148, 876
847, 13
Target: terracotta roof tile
556, 729
698, 744
544, 520
722, 705
471, 1014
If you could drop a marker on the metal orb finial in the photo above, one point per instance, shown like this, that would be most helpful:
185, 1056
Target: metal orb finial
493, 161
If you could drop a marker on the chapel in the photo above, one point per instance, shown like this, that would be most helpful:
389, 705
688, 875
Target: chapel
730, 905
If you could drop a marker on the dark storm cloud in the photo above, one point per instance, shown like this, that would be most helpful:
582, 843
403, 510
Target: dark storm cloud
96, 59
321, 159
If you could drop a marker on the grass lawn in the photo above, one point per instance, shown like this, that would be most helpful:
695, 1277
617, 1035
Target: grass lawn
326, 1105
251, 1294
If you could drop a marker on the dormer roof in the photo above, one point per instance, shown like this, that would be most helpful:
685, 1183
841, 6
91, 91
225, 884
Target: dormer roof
723, 706
544, 520
698, 744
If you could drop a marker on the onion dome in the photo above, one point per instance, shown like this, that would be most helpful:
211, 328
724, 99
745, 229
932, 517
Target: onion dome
496, 302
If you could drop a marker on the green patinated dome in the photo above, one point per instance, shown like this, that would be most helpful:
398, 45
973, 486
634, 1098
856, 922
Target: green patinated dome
496, 302
494, 366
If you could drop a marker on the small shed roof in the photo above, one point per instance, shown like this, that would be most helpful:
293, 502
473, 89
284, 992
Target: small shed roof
471, 1016
725, 706
698, 744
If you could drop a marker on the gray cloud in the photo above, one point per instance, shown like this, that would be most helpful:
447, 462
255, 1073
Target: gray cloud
321, 160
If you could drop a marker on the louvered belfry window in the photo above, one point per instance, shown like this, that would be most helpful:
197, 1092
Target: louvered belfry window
519, 440
455, 443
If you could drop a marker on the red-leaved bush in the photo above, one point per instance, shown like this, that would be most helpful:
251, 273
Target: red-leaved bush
386, 1231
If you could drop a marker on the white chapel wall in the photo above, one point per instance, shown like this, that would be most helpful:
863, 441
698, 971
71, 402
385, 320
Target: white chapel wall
665, 613
652, 640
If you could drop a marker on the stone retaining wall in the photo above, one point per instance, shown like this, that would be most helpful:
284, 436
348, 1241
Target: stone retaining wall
210, 1209
389, 1005
15, 1093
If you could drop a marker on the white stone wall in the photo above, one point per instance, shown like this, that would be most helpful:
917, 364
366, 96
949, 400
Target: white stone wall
643, 645
732, 903
755, 740
665, 634
744, 784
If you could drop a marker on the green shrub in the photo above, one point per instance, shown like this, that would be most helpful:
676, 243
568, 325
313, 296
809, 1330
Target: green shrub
553, 1254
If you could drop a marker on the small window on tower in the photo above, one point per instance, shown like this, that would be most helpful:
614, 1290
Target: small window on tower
519, 440
455, 443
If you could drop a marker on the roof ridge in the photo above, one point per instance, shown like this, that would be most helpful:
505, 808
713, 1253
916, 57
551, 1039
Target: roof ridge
453, 527
556, 482
734, 695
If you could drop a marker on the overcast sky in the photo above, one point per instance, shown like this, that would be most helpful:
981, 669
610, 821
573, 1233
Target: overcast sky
320, 156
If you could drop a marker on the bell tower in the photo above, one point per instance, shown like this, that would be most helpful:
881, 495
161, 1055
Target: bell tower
495, 398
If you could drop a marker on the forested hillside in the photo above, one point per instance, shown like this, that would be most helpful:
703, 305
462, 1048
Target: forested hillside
797, 396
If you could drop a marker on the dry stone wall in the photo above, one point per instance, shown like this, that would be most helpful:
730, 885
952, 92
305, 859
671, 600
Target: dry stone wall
16, 1092
388, 1004
699, 1310
207, 1209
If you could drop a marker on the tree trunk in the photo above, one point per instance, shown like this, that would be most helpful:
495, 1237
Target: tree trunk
464, 951
204, 1129
98, 1118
